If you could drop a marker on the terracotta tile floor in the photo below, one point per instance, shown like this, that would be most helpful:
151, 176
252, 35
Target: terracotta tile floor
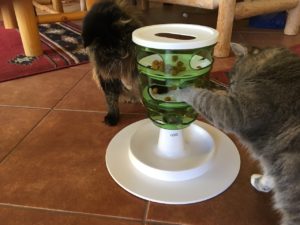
53, 144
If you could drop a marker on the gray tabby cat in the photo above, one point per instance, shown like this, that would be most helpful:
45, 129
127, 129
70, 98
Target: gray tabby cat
262, 107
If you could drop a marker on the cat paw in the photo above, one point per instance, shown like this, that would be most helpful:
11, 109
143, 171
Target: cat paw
111, 120
262, 183
182, 95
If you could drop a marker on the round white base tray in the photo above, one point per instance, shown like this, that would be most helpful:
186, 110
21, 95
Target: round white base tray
222, 171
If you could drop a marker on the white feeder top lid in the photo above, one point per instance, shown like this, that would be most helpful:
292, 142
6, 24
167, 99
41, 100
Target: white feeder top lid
175, 36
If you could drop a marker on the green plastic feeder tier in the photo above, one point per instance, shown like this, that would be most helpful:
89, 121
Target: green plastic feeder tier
169, 57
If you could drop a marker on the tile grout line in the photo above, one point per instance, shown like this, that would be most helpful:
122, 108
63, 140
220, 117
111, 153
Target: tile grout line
70, 89
145, 220
67, 212
146, 213
38, 122
161, 222
80, 110
95, 111
65, 109
24, 107
51, 108
25, 135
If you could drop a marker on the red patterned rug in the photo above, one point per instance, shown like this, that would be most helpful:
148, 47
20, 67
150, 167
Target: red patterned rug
62, 47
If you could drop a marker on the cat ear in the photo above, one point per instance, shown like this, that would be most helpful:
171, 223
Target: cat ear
238, 49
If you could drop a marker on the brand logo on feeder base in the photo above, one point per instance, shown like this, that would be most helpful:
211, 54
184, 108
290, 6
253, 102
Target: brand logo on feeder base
174, 134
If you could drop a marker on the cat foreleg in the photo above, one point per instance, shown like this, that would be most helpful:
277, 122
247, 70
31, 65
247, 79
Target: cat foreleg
112, 89
185, 95
262, 183
220, 109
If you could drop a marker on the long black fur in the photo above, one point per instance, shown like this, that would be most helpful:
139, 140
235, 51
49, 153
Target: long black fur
107, 32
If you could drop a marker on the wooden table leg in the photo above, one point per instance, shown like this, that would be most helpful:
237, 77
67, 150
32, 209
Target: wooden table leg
28, 27
145, 4
293, 21
82, 5
8, 15
224, 26
57, 5
89, 4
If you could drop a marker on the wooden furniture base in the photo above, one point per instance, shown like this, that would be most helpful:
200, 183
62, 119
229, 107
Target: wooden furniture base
8, 15
20, 14
28, 28
228, 10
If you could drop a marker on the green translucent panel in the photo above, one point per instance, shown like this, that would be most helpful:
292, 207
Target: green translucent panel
162, 72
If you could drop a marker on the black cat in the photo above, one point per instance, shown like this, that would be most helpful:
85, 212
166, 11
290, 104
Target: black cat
106, 33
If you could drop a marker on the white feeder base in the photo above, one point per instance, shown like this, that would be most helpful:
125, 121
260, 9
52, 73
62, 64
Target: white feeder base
191, 175
171, 155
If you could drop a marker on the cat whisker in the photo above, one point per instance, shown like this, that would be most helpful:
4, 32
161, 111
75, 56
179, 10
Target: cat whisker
110, 69
121, 67
125, 21
125, 56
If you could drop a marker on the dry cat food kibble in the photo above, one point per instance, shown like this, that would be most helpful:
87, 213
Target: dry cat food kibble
162, 93
158, 65
167, 68
154, 90
174, 58
168, 98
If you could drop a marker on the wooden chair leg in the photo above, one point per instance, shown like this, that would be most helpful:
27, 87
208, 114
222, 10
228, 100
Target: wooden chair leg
293, 21
224, 27
58, 6
82, 5
28, 27
145, 4
89, 4
8, 15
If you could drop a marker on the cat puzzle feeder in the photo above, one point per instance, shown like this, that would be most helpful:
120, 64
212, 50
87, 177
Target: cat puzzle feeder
172, 158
